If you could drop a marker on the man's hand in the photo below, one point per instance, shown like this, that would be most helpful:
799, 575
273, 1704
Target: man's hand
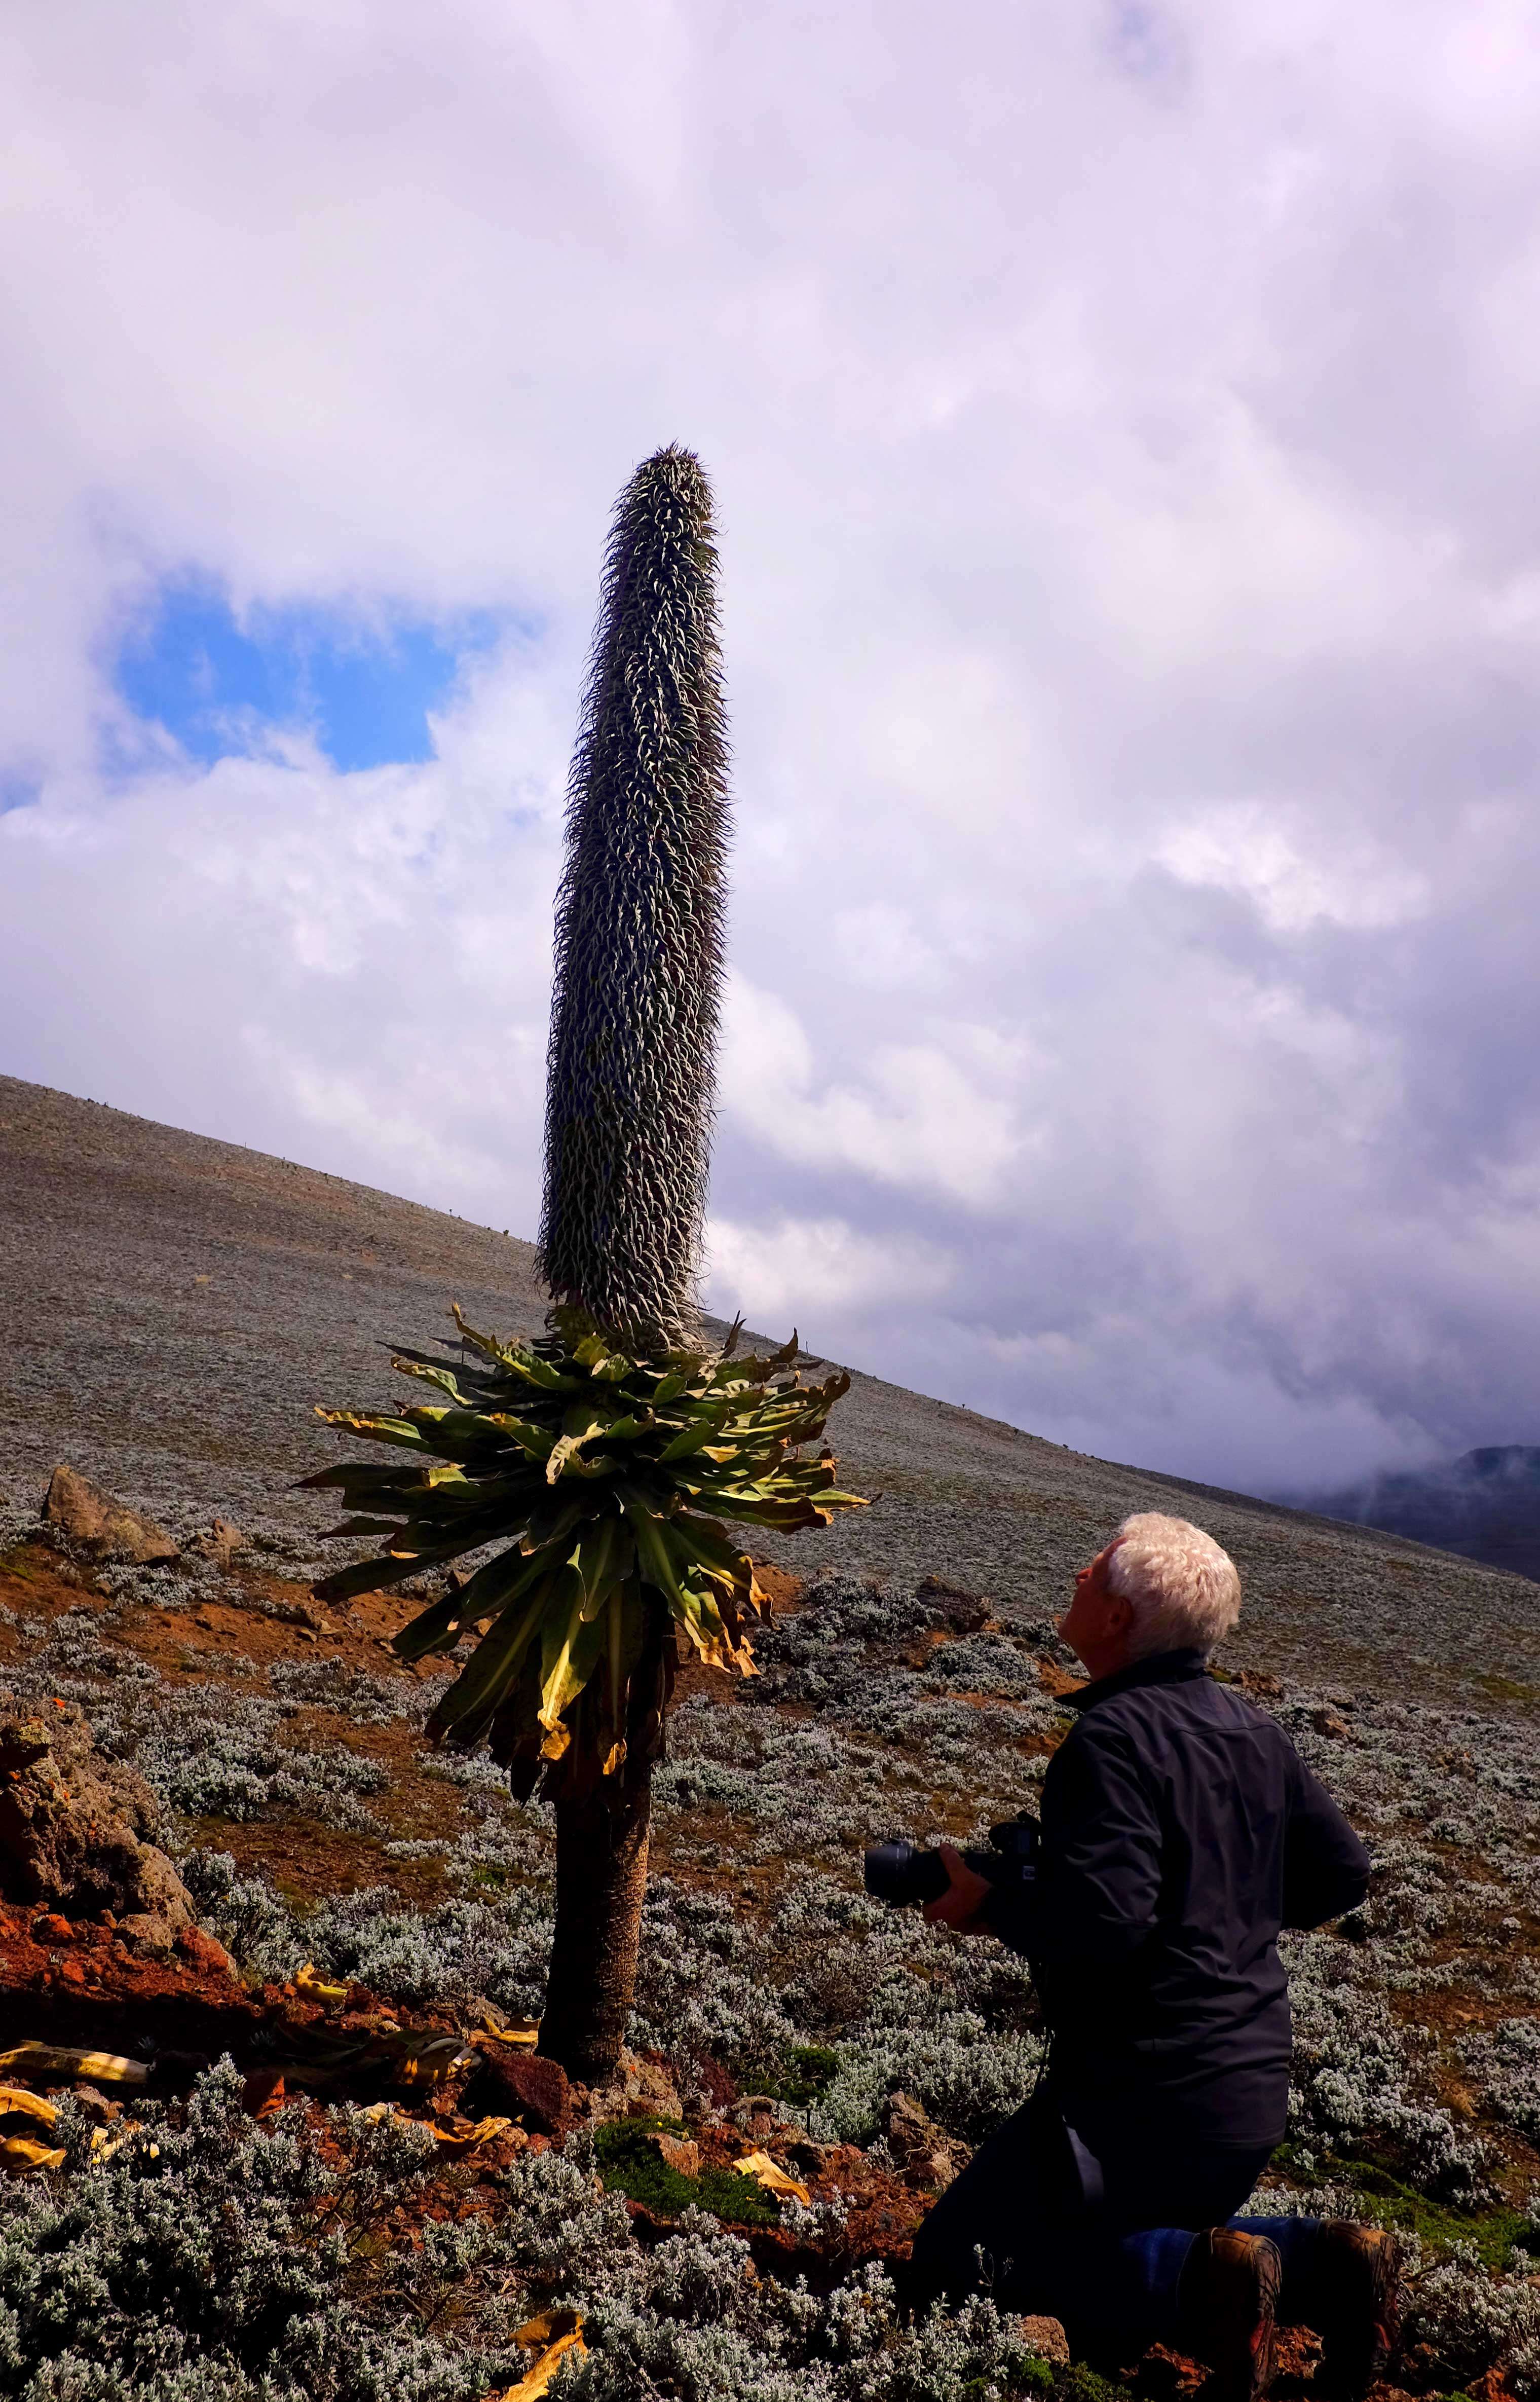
959, 1906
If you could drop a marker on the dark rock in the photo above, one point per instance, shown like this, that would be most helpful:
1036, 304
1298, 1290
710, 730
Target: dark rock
306, 1614
650, 2084
965, 1613
642, 2087
152, 1937
93, 1987
758, 2115
103, 1524
524, 2085
201, 1950
1166, 2375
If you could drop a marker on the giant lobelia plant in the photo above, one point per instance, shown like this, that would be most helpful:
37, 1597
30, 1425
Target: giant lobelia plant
603, 1466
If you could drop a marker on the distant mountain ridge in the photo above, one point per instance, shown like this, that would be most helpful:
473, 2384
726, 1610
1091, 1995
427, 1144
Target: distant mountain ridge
1483, 1506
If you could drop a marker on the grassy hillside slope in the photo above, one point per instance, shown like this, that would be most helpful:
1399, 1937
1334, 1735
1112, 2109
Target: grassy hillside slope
173, 1306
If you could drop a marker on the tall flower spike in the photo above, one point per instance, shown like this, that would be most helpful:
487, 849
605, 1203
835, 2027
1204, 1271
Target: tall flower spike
639, 927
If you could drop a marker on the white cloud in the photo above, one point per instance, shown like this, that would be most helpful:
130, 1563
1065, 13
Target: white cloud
820, 1265
1243, 848
1131, 546
917, 1117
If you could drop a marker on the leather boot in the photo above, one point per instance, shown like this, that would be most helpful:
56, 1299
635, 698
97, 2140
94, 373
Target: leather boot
1225, 2308
1352, 2305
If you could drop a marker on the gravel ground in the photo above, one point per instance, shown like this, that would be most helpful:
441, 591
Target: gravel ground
174, 1307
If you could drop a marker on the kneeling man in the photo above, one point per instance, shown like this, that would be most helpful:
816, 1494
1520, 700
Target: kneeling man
1180, 1830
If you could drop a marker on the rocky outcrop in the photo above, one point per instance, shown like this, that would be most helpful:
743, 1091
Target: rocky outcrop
965, 1613
76, 1831
102, 1525
927, 2158
223, 1543
642, 2088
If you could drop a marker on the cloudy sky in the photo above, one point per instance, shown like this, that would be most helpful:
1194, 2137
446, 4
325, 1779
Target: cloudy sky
1123, 423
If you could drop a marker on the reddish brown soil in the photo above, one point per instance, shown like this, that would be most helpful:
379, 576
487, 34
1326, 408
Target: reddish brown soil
81, 1986
36, 1582
236, 1641
93, 1988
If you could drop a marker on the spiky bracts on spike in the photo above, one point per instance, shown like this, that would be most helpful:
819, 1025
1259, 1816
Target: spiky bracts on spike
607, 1479
639, 927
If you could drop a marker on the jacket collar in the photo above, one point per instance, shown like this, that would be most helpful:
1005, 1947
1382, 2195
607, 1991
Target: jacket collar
1161, 1668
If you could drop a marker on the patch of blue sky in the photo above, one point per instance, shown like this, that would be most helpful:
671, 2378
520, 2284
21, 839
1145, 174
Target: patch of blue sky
1146, 42
223, 686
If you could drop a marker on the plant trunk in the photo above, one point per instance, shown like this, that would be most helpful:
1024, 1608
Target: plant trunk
601, 1881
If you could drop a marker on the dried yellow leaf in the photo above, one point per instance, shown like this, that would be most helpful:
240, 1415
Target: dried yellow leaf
427, 2063
560, 2332
16, 2099
99, 2067
772, 2177
105, 2141
462, 2137
306, 1982
19, 2154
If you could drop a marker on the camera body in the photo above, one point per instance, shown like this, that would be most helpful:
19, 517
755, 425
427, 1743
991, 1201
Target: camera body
908, 1875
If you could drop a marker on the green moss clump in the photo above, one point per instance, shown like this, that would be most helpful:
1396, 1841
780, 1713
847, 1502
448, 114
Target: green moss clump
629, 2162
1493, 2233
1079, 2383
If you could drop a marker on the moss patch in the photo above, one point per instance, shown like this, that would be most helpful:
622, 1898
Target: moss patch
1079, 2383
629, 2162
1493, 2233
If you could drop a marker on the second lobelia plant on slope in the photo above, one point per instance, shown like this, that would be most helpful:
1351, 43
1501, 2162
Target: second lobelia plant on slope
609, 1459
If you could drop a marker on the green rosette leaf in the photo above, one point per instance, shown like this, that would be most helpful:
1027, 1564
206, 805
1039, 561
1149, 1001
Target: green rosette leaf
600, 1488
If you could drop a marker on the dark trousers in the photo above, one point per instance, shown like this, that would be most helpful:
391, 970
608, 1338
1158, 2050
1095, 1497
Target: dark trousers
1093, 2231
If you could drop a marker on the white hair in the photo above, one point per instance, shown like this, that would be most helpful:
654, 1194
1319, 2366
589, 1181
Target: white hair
1183, 1590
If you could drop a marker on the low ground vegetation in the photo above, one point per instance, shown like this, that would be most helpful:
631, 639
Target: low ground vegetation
320, 2252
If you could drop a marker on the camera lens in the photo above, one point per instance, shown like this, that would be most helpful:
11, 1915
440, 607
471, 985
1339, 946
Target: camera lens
904, 1875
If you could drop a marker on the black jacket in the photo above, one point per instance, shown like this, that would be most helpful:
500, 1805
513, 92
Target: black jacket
1180, 1830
